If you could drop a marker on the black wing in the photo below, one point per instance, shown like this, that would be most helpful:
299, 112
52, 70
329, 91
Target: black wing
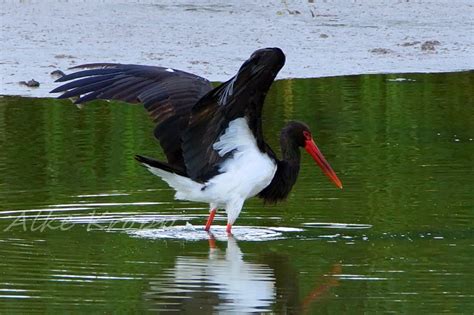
241, 96
167, 94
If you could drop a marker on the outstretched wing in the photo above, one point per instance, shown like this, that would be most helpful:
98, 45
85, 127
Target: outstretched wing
241, 96
167, 94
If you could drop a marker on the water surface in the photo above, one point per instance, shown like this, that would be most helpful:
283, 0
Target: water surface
85, 228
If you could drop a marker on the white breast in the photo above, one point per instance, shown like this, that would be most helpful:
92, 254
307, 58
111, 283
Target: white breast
249, 170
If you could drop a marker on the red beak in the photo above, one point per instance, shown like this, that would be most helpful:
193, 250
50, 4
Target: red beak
313, 150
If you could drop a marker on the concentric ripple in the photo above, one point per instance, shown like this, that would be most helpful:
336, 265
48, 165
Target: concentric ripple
196, 233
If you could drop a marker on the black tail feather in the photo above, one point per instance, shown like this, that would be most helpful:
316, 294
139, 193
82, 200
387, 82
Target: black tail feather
161, 165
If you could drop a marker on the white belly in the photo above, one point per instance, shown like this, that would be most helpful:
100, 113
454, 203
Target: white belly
243, 175
247, 172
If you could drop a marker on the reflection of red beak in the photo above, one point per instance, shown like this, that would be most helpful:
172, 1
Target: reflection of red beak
313, 150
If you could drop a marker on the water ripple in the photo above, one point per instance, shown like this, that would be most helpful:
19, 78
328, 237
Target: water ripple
346, 226
242, 233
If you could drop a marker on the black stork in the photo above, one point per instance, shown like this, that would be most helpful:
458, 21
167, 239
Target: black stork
212, 137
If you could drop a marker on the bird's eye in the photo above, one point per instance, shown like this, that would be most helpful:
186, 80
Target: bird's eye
307, 135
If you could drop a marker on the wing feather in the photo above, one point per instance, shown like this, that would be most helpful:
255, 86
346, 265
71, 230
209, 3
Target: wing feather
241, 96
167, 95
190, 116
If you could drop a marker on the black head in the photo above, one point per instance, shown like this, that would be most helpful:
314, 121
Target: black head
297, 134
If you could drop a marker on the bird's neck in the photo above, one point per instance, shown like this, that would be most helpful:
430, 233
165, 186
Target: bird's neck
290, 163
290, 152
286, 174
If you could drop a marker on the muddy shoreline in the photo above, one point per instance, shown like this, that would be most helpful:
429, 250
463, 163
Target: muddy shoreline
212, 38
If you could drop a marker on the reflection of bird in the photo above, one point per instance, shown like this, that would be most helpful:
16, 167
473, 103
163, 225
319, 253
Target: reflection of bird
288, 286
218, 283
225, 282
212, 138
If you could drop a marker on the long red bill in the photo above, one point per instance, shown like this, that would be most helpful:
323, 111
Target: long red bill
313, 150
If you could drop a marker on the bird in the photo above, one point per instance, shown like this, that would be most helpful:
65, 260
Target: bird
212, 137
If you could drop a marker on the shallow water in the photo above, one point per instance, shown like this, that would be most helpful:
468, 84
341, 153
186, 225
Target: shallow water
84, 228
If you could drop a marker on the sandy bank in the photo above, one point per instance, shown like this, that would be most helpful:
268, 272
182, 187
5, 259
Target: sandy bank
211, 37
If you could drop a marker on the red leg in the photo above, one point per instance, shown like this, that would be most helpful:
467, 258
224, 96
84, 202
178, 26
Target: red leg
212, 214
229, 228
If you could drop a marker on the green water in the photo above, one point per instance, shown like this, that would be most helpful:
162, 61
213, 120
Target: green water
85, 228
